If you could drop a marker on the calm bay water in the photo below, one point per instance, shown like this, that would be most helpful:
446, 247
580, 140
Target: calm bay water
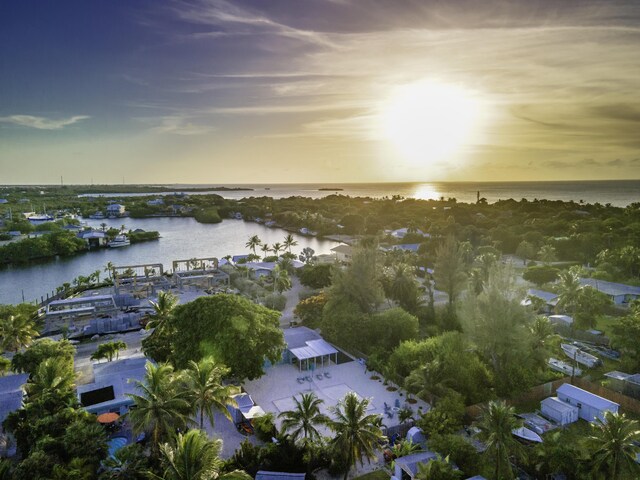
619, 193
181, 238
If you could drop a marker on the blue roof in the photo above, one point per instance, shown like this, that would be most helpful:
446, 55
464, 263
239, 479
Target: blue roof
409, 463
265, 475
546, 296
585, 397
610, 288
410, 247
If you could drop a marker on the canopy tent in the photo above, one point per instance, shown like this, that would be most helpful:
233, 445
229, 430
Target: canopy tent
314, 350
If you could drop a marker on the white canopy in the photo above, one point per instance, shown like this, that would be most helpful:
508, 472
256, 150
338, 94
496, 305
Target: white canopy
314, 349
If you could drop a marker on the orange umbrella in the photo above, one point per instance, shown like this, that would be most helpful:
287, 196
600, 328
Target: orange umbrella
109, 417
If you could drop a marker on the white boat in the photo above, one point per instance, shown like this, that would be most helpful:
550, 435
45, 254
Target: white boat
526, 434
119, 241
38, 219
97, 216
563, 367
581, 357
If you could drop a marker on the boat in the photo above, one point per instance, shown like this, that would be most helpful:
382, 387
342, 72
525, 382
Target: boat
579, 356
525, 434
119, 241
97, 216
562, 367
38, 219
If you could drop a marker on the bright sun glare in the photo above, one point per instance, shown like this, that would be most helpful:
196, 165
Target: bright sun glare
429, 122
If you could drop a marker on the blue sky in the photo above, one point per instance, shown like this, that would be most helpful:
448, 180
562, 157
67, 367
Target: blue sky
281, 91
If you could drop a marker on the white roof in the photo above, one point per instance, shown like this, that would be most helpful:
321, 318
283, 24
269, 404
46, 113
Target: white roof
313, 349
585, 397
557, 404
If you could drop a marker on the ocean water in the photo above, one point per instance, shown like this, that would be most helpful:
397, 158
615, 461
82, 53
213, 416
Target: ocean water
619, 193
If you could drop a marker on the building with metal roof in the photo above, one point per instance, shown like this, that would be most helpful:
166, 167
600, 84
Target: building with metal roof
619, 293
590, 406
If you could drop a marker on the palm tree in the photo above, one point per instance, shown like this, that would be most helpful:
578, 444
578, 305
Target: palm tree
276, 248
103, 226
569, 291
612, 446
428, 381
302, 420
496, 426
127, 463
205, 390
289, 242
52, 378
109, 269
437, 469
194, 457
161, 408
281, 279
162, 309
356, 433
542, 335
16, 332
253, 243
266, 249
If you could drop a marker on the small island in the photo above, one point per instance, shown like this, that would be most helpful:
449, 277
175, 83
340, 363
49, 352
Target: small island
330, 189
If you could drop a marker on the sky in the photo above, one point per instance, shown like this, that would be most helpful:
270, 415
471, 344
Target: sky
294, 91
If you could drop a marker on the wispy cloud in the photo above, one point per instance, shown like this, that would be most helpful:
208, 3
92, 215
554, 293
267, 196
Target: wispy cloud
177, 125
42, 123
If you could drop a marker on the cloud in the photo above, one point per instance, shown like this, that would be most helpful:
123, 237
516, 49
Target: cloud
42, 123
177, 125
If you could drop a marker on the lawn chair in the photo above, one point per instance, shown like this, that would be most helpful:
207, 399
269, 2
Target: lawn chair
397, 404
386, 407
301, 380
308, 378
389, 414
327, 374
319, 376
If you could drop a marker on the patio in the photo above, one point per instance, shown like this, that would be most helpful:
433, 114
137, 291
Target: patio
274, 391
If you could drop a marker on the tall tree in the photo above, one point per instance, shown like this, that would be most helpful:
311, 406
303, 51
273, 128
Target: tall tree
357, 434
303, 419
253, 243
16, 332
195, 457
281, 279
162, 309
613, 448
289, 242
161, 407
570, 287
276, 247
203, 383
449, 272
403, 288
265, 249
496, 426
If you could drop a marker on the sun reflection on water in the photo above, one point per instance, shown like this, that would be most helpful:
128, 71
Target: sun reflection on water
426, 191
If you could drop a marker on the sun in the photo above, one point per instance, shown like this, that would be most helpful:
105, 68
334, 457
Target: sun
429, 123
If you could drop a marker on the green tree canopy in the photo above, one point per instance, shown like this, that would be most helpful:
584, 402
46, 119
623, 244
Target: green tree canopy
228, 328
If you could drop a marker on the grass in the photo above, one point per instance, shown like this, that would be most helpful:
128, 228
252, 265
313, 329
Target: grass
375, 475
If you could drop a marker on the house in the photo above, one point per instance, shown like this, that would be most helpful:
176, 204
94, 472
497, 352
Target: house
564, 320
343, 253
115, 210
71, 310
590, 406
156, 202
94, 238
550, 299
560, 412
407, 247
239, 258
112, 382
11, 395
3, 201
619, 293
265, 475
262, 269
624, 383
406, 467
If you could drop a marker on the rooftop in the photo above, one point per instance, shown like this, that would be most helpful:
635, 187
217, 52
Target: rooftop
610, 288
264, 475
585, 397
409, 463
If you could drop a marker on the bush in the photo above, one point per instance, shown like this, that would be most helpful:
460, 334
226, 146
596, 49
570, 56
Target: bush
265, 427
275, 301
